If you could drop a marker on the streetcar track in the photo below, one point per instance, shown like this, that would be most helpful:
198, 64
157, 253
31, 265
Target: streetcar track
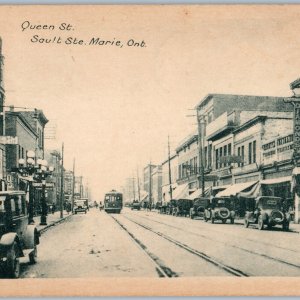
160, 267
233, 246
202, 255
250, 240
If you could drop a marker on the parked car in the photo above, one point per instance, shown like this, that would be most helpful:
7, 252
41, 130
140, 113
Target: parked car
135, 205
267, 211
220, 209
183, 207
80, 206
171, 207
17, 237
199, 206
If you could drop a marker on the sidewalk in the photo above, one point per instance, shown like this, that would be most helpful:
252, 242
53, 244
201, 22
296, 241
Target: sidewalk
52, 220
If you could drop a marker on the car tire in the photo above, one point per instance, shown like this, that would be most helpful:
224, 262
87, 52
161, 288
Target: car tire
12, 262
260, 223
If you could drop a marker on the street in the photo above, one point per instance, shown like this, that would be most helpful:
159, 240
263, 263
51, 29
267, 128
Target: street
149, 244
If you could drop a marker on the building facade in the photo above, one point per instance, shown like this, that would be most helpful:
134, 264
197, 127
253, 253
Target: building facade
157, 184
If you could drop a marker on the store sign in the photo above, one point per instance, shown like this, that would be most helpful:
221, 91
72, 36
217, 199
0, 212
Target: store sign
297, 129
9, 140
40, 185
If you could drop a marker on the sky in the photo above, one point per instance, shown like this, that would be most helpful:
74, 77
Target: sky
113, 106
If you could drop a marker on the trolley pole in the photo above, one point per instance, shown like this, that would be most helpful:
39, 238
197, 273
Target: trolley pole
138, 183
150, 186
62, 182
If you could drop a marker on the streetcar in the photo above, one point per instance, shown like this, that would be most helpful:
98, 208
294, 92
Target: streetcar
113, 202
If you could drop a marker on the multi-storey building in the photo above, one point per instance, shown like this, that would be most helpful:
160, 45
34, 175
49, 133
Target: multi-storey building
157, 184
169, 177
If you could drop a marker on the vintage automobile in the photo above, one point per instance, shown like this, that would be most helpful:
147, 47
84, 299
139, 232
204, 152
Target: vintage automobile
220, 209
80, 205
199, 206
183, 207
135, 205
266, 210
171, 207
18, 238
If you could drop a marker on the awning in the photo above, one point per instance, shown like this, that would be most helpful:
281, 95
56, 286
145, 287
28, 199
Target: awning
181, 192
26, 178
276, 180
232, 190
198, 193
143, 195
166, 191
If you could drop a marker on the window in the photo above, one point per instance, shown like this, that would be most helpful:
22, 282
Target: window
191, 167
229, 149
250, 153
179, 172
225, 154
243, 154
209, 154
196, 164
217, 158
19, 151
221, 154
239, 154
254, 151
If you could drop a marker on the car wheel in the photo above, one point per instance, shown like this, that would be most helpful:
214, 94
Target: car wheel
246, 223
224, 221
12, 262
33, 256
260, 223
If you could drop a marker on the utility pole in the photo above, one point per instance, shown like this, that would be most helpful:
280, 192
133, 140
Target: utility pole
73, 185
201, 148
133, 188
170, 176
138, 182
62, 182
150, 186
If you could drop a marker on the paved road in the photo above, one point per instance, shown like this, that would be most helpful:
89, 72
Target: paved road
147, 244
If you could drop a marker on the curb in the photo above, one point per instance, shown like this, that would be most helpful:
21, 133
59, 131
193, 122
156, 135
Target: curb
44, 229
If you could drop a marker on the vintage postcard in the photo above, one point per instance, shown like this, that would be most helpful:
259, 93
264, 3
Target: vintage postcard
149, 150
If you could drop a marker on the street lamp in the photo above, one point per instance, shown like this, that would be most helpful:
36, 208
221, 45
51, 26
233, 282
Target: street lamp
38, 172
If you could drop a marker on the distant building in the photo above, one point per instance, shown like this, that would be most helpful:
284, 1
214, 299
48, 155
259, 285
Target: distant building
157, 184
173, 170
